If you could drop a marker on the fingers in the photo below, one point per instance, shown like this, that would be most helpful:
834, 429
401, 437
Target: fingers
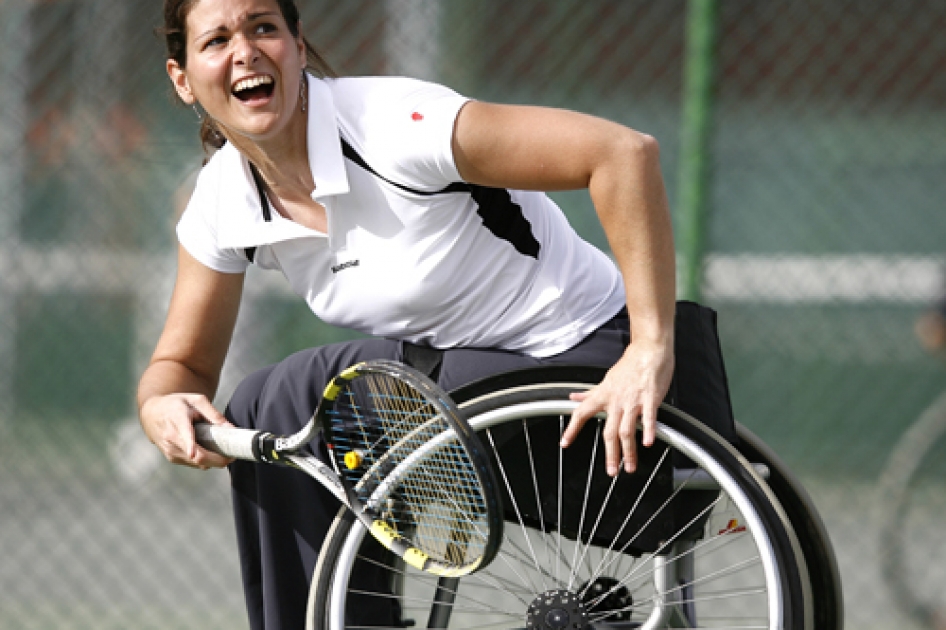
200, 457
204, 460
649, 423
169, 423
208, 412
197, 456
619, 435
620, 444
626, 433
630, 393
185, 435
579, 417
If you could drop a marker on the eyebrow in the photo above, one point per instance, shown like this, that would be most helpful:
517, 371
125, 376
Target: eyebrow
250, 17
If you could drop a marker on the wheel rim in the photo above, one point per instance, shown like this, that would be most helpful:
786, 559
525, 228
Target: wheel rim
647, 588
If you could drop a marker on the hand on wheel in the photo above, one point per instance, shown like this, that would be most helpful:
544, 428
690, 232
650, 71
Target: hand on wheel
632, 390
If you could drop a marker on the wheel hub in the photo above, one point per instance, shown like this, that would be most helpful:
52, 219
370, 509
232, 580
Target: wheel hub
607, 594
557, 609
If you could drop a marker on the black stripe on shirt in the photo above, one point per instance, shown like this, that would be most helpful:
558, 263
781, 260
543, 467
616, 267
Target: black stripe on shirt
502, 216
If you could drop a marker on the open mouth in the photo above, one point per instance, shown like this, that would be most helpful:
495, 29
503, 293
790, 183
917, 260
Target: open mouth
254, 88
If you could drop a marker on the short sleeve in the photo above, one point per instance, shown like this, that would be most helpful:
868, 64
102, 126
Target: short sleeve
196, 231
404, 127
425, 133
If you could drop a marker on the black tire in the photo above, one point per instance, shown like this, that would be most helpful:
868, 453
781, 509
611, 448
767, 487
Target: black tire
827, 600
777, 561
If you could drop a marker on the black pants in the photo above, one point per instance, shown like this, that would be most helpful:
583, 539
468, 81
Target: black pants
281, 514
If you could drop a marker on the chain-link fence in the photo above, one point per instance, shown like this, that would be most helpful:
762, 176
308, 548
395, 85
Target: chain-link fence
824, 241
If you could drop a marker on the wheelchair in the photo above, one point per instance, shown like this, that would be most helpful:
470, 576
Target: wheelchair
708, 532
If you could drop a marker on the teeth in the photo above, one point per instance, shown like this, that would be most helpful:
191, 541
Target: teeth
252, 82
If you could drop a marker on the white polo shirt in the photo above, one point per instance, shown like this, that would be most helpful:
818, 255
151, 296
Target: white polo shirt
411, 252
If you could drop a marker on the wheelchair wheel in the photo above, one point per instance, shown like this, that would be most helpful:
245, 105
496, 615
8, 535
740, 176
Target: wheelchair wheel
693, 539
813, 538
911, 510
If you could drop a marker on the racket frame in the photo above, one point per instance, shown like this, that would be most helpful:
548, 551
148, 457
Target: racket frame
268, 448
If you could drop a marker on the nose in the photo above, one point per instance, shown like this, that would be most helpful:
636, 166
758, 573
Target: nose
245, 51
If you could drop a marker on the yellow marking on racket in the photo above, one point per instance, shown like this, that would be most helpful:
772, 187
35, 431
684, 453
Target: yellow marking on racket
416, 558
351, 372
332, 390
354, 459
383, 532
386, 535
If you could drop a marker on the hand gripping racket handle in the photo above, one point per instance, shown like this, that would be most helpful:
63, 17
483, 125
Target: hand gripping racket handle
230, 441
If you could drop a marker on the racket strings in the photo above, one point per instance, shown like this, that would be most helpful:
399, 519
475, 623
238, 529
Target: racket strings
437, 500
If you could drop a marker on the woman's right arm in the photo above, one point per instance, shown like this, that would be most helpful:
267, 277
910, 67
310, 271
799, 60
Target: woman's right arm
177, 387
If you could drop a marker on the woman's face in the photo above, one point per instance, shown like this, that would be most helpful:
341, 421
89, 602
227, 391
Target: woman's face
243, 66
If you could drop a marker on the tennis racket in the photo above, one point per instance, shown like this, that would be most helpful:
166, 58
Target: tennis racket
402, 459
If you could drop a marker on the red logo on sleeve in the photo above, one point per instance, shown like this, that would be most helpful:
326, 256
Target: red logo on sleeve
417, 116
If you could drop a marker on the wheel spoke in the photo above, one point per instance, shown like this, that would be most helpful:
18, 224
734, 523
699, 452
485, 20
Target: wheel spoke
535, 487
692, 551
747, 592
653, 517
584, 507
406, 598
560, 495
515, 504
606, 559
663, 546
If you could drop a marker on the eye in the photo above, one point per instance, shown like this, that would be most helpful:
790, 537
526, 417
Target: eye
264, 28
215, 41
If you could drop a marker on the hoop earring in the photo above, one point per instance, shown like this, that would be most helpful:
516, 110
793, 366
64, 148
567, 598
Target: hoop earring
303, 92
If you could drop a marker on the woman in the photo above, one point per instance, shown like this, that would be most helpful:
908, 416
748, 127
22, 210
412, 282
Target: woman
398, 208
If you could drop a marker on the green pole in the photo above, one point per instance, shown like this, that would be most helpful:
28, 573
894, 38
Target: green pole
696, 131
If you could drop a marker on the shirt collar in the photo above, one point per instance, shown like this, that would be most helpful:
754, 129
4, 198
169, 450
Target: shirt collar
239, 213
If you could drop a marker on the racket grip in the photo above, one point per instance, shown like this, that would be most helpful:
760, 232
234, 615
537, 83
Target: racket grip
229, 441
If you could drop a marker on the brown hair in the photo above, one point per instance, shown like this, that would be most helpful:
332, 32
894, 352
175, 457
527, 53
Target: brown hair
175, 38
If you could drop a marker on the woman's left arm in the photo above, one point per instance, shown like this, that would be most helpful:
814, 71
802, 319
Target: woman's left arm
536, 148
